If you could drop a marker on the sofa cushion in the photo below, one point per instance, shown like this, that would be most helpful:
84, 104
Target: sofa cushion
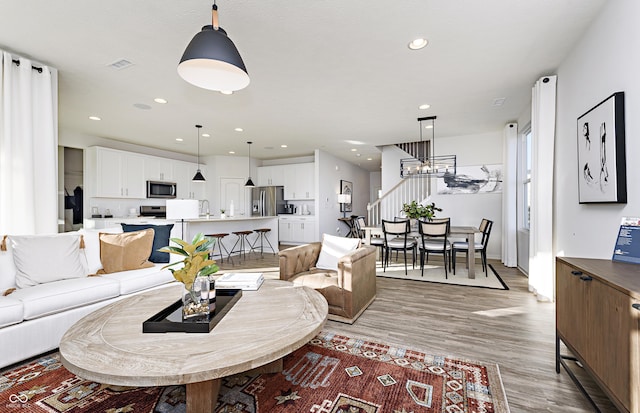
92, 246
124, 252
7, 269
46, 258
333, 248
161, 236
11, 311
58, 296
138, 280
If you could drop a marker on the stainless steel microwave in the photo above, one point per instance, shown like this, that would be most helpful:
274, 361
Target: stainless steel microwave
160, 189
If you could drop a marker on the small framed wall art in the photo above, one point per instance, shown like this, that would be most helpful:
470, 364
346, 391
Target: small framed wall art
602, 172
346, 188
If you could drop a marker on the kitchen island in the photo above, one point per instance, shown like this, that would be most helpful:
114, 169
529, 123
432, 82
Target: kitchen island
215, 225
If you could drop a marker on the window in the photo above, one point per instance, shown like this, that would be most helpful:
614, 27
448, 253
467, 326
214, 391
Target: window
525, 178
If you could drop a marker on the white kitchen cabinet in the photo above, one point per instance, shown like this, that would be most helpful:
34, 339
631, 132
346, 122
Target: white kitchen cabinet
297, 229
116, 174
158, 169
299, 181
271, 175
183, 175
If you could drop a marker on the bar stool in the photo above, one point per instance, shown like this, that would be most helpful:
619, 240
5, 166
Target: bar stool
220, 245
242, 240
261, 234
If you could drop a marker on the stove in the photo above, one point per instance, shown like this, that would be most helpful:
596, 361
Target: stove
159, 211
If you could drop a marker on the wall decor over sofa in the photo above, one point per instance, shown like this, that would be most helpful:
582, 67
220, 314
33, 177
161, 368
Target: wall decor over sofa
601, 152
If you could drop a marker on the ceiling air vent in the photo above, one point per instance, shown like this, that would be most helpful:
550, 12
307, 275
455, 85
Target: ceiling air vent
120, 64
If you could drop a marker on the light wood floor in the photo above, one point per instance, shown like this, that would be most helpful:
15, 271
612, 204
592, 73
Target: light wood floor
509, 328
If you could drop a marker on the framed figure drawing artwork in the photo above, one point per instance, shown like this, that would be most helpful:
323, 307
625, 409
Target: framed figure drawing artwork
602, 174
346, 188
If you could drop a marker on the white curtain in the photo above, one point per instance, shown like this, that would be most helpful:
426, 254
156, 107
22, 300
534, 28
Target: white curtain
28, 147
543, 122
509, 191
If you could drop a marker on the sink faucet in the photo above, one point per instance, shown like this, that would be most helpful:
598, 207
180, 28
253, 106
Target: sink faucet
202, 203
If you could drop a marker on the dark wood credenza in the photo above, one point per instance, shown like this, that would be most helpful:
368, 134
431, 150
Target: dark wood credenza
598, 319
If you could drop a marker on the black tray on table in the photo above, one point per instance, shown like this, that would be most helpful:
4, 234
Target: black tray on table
170, 319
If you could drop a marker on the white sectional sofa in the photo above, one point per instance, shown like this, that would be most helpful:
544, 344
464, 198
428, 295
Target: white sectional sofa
34, 317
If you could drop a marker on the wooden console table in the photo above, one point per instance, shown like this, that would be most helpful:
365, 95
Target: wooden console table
598, 319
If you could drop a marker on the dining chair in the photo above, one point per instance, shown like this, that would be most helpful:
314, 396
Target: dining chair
481, 247
396, 238
433, 238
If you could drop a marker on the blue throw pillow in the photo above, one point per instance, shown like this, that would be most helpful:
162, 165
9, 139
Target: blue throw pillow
160, 239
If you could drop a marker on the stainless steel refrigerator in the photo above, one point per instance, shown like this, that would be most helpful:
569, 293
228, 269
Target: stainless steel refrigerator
267, 201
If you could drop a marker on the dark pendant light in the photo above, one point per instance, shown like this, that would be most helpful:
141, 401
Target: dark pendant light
211, 60
249, 181
198, 177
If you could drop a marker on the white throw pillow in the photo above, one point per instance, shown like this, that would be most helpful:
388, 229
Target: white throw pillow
334, 248
92, 245
45, 258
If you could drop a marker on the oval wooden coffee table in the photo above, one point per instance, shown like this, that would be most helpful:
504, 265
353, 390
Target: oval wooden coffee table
108, 345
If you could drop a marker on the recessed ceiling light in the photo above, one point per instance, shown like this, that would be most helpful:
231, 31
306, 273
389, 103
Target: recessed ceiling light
429, 127
206, 135
423, 107
238, 129
353, 149
283, 146
227, 92
179, 140
418, 44
94, 118
142, 106
232, 152
160, 100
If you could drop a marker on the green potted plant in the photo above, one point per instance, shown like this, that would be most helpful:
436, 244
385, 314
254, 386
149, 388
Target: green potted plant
194, 273
414, 210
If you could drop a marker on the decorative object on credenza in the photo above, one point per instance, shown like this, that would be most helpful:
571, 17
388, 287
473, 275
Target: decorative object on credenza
346, 188
194, 274
602, 168
414, 210
211, 60
471, 180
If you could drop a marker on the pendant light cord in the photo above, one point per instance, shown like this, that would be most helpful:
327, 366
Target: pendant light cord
214, 16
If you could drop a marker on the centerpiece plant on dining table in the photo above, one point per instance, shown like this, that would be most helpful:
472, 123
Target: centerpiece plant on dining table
414, 210
196, 264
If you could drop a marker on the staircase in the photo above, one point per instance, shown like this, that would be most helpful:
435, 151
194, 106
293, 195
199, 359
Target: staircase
389, 205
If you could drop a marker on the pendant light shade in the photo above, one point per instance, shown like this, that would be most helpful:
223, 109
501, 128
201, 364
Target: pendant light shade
211, 60
249, 181
198, 177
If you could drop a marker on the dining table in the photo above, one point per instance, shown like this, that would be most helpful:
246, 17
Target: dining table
469, 232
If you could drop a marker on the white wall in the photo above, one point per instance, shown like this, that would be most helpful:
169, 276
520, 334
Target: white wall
603, 62
329, 171
464, 209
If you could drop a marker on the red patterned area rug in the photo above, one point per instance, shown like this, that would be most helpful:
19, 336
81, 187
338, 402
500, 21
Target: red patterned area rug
330, 374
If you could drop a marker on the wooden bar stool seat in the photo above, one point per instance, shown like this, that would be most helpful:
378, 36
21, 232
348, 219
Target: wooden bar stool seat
261, 235
242, 240
220, 245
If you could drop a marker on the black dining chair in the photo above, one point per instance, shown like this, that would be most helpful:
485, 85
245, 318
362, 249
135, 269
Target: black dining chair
396, 238
433, 238
481, 247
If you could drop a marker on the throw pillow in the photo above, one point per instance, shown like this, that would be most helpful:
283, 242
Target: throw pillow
126, 251
41, 259
333, 248
92, 246
160, 239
